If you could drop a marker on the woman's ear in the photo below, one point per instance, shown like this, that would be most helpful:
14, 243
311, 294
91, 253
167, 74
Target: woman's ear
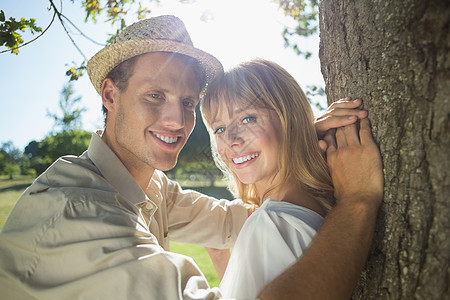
109, 93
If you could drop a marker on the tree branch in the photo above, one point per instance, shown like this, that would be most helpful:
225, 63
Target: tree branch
29, 42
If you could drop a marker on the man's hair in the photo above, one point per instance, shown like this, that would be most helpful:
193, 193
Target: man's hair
121, 74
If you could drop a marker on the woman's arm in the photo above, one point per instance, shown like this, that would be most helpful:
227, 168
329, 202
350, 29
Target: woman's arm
220, 258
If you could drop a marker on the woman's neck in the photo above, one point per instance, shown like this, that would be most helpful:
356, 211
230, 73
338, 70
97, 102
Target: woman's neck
293, 193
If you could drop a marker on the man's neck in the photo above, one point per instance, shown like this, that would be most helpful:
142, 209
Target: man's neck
140, 171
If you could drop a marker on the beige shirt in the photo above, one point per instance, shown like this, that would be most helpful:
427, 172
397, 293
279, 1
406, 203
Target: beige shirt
85, 229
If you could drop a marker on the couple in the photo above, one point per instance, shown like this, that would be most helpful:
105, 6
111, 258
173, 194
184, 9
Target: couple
99, 225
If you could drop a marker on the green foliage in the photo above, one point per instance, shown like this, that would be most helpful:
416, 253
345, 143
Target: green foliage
11, 169
72, 142
13, 161
10, 29
38, 156
71, 113
75, 72
115, 10
39, 164
313, 91
306, 14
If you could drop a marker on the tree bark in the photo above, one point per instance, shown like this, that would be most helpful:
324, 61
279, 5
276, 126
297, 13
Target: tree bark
395, 55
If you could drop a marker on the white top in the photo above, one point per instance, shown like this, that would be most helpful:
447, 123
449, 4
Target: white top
272, 238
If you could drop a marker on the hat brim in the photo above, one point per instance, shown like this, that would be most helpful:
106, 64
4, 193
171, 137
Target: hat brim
112, 55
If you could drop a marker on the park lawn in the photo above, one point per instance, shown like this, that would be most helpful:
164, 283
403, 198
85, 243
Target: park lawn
10, 191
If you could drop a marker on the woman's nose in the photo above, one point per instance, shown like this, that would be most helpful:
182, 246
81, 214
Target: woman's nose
234, 136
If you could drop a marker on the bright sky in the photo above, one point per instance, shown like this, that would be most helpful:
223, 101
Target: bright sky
31, 82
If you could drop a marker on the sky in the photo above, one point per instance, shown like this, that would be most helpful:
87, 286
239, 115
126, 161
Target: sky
31, 82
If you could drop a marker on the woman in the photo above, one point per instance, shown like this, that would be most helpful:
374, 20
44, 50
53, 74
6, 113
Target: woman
263, 138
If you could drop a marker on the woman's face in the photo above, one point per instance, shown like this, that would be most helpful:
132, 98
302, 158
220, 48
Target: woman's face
249, 142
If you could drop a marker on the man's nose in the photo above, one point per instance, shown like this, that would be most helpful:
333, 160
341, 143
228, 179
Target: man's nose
172, 116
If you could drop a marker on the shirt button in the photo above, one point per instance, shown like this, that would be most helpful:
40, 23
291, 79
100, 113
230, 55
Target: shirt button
149, 206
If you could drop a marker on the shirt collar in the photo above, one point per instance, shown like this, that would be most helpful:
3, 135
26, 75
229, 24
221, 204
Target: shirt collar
114, 171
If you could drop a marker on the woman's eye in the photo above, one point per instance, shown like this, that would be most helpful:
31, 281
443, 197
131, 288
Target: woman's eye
248, 119
219, 130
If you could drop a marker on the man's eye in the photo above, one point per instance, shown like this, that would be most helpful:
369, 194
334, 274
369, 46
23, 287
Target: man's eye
248, 119
155, 96
188, 103
219, 130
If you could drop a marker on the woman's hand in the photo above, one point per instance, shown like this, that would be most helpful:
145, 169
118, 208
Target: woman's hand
340, 113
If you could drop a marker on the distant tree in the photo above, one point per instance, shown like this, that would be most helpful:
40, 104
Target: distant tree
11, 170
73, 142
10, 159
70, 117
31, 150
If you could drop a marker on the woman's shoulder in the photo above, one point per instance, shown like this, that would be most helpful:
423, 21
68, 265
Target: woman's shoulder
295, 215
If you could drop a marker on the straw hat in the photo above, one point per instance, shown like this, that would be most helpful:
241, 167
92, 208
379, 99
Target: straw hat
158, 34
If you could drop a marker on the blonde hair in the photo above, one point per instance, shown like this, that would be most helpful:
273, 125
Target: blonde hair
265, 84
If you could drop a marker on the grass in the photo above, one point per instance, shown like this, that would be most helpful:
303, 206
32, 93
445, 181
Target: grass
11, 190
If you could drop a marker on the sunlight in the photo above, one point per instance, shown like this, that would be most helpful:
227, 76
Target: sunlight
231, 30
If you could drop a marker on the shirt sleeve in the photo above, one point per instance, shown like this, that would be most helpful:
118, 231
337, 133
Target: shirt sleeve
72, 245
195, 218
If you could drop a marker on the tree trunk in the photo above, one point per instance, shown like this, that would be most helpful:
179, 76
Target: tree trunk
395, 55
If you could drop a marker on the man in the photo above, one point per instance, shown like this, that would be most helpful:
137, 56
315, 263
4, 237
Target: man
98, 225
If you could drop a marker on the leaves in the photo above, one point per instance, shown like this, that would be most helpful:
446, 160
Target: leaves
10, 29
306, 15
76, 72
70, 117
92, 8
115, 9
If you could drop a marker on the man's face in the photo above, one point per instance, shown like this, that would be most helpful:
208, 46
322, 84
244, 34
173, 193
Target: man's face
154, 116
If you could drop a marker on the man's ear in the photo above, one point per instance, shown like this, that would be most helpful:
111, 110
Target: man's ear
110, 93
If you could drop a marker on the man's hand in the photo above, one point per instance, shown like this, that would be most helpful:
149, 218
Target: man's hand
355, 164
340, 113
